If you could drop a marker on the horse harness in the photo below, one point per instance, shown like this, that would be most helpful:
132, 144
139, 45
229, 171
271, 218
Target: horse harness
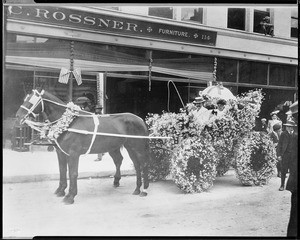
37, 98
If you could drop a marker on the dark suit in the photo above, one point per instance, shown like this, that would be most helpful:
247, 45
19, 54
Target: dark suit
275, 138
284, 150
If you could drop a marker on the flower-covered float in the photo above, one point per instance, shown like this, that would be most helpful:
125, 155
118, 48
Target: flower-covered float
197, 153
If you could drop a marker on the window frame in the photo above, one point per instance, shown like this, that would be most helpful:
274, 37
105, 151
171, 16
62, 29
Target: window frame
266, 12
244, 19
201, 12
157, 8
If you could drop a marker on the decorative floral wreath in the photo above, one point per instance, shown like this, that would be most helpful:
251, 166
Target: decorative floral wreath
194, 165
255, 159
52, 132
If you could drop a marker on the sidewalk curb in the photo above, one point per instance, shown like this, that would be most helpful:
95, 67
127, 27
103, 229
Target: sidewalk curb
49, 177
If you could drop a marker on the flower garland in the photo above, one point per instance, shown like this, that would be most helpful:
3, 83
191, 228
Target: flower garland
255, 159
52, 132
194, 165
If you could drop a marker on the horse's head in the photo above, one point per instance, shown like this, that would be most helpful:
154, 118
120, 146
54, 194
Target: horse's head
33, 105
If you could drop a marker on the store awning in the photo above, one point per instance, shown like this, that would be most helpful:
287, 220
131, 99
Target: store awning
93, 58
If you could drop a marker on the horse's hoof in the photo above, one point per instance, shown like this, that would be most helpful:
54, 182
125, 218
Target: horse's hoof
116, 185
60, 194
143, 194
68, 200
136, 192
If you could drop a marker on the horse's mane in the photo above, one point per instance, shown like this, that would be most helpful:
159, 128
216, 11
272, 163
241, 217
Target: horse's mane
50, 96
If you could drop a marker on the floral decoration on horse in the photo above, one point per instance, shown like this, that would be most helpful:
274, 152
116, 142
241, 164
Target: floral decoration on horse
52, 132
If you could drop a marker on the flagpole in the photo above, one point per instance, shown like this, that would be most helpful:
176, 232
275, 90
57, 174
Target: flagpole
71, 69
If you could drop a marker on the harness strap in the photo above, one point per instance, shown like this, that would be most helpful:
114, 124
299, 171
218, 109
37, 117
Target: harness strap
29, 111
96, 122
36, 125
114, 135
60, 147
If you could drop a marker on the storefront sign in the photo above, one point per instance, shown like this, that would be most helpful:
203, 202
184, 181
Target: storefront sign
111, 24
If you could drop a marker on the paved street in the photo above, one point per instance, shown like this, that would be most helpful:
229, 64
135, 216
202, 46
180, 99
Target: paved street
228, 209
40, 165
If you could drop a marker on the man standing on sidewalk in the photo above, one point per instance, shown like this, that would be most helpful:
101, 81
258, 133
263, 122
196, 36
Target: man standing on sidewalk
285, 150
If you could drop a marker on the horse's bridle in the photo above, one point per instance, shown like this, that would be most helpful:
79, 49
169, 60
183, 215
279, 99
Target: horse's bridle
35, 100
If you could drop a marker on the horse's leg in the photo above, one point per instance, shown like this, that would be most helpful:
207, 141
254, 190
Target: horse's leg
143, 157
145, 166
73, 161
117, 157
133, 155
62, 162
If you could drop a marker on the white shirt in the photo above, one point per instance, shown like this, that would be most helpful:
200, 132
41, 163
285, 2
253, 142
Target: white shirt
201, 115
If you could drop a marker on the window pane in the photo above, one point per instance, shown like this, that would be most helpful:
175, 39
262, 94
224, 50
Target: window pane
226, 70
258, 18
192, 14
164, 12
253, 72
282, 75
236, 18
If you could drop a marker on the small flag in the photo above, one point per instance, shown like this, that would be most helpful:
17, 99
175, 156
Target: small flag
77, 75
64, 75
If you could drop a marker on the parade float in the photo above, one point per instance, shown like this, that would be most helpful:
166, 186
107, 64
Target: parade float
198, 153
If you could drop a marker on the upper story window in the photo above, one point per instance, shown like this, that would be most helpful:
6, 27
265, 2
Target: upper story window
192, 14
236, 18
294, 23
262, 21
164, 12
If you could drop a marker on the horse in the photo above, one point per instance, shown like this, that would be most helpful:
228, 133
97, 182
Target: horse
117, 131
